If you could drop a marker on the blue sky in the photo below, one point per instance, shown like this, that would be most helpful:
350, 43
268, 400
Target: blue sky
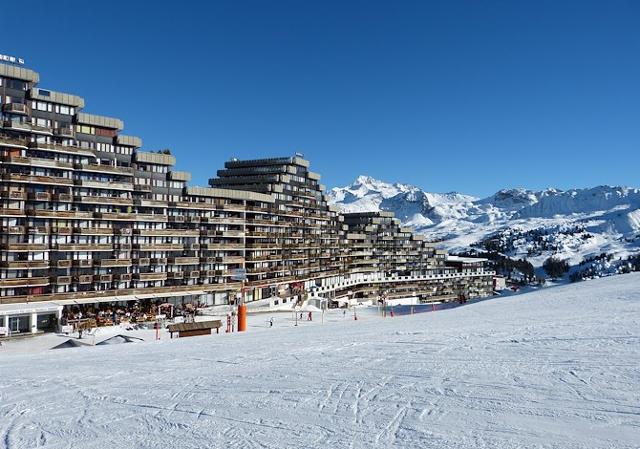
465, 96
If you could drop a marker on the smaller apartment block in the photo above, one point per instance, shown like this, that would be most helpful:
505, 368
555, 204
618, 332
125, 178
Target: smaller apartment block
87, 216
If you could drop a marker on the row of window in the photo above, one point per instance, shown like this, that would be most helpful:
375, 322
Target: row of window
14, 84
152, 168
85, 129
159, 183
105, 147
50, 107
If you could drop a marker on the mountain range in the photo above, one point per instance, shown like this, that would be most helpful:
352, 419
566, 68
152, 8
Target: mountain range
574, 225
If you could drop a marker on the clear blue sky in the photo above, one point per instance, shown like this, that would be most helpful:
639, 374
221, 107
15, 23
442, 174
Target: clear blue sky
466, 96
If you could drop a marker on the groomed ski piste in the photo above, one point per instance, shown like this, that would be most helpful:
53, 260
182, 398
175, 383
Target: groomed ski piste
555, 368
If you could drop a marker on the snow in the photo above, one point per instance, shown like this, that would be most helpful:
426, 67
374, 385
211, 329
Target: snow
555, 368
611, 214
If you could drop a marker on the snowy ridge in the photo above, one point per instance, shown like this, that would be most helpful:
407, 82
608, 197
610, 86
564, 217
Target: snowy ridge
599, 219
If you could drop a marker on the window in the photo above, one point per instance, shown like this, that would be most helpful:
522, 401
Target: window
83, 129
124, 150
106, 147
42, 106
105, 132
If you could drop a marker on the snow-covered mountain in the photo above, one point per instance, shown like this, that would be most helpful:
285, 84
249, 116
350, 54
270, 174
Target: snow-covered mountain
571, 224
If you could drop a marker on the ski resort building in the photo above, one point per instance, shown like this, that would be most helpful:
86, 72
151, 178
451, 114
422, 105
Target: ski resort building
87, 216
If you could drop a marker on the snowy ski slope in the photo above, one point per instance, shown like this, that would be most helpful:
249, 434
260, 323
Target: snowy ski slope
557, 368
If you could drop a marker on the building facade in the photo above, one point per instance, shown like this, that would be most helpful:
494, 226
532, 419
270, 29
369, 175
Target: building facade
86, 216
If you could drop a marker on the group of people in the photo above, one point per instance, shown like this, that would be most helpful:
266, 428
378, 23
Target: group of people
106, 314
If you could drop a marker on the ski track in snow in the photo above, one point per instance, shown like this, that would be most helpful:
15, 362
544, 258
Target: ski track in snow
556, 368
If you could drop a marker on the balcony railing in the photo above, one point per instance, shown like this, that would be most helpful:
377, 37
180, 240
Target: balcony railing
65, 149
4, 212
103, 263
24, 246
16, 108
103, 278
13, 194
24, 282
6, 141
64, 263
93, 231
84, 279
63, 197
84, 247
61, 280
12, 229
25, 264
105, 168
158, 246
65, 230
184, 261
110, 185
39, 196
104, 200
65, 132
36, 162
33, 179
166, 232
150, 276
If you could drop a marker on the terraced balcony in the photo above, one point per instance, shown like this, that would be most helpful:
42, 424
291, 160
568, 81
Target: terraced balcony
24, 246
35, 179
12, 229
158, 246
103, 278
62, 149
36, 162
24, 282
84, 247
184, 260
65, 131
150, 276
93, 231
13, 194
64, 263
61, 280
73, 215
119, 201
25, 264
13, 142
16, 108
6, 212
107, 185
84, 279
166, 232
105, 168
108, 263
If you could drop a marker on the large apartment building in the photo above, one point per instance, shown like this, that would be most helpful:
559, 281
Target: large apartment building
86, 217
